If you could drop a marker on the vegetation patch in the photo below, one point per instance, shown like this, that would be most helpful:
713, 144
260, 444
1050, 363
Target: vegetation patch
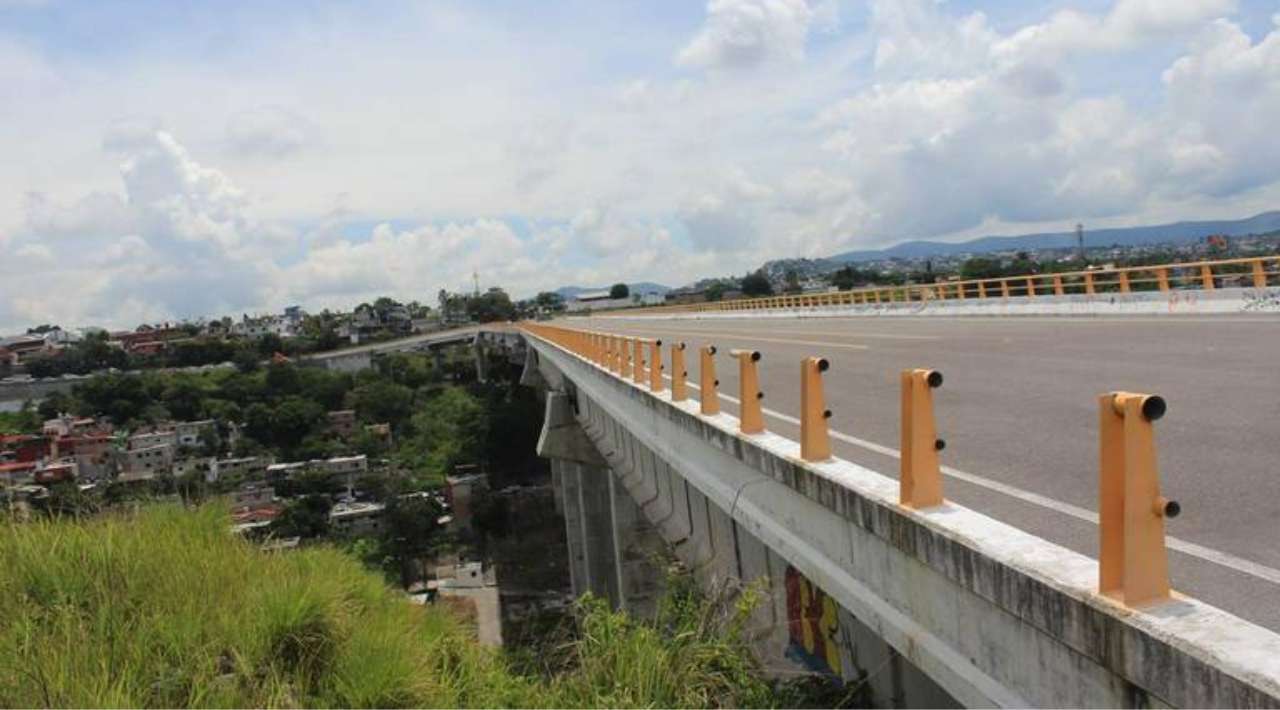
162, 607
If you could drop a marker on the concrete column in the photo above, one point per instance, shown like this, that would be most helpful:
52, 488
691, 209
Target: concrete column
597, 532
636, 545
567, 491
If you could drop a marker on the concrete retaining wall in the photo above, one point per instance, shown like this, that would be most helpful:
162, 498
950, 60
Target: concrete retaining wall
935, 607
1187, 302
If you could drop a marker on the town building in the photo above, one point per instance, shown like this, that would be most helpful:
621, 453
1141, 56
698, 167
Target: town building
149, 439
352, 519
15, 473
66, 425
146, 461
26, 448
248, 468
462, 491
252, 496
53, 472
342, 423
595, 301
93, 454
190, 433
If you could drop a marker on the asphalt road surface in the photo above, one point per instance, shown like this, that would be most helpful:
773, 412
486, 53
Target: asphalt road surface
1018, 410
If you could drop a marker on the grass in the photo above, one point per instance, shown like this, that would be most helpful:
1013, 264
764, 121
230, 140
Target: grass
162, 607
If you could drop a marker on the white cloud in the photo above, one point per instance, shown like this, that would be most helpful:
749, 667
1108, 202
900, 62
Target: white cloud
542, 154
270, 132
740, 34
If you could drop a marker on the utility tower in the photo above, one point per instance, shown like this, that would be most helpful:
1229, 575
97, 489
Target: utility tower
1080, 239
475, 280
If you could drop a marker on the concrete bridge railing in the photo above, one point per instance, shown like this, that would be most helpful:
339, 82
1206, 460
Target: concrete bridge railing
925, 604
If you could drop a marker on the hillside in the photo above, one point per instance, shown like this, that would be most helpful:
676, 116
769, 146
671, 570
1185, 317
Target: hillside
1124, 236
164, 608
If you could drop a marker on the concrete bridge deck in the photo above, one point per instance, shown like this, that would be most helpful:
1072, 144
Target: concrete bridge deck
1018, 412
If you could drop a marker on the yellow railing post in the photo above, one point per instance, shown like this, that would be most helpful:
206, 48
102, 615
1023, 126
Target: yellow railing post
750, 414
1088, 283
1124, 281
815, 444
1206, 277
637, 372
1058, 290
919, 477
1259, 275
709, 385
1162, 278
1004, 288
655, 366
982, 289
624, 370
679, 386
1132, 566
1031, 286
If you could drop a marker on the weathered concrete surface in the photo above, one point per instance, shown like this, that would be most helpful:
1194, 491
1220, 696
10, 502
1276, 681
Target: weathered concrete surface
562, 437
992, 615
1184, 302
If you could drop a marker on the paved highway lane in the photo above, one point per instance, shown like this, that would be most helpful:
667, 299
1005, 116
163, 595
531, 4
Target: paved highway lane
1018, 410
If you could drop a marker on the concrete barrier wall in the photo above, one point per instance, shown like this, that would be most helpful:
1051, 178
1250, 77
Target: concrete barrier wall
923, 608
1184, 302
36, 390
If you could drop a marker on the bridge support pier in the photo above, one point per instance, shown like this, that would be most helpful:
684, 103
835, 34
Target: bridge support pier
612, 547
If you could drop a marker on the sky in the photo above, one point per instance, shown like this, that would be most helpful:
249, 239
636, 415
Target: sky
165, 160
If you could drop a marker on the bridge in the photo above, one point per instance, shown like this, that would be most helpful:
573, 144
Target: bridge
361, 357
979, 582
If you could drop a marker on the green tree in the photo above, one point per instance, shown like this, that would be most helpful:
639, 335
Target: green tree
757, 284
850, 277
269, 344
283, 379
306, 517
411, 521
245, 359
184, 398
980, 267
284, 425
66, 498
450, 429
619, 290
381, 401
490, 306
550, 301
55, 404
791, 282
23, 421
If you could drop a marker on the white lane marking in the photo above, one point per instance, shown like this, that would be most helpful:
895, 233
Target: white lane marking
748, 336
1207, 554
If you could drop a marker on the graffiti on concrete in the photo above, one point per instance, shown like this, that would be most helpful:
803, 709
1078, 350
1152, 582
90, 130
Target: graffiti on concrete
813, 625
1183, 300
1261, 300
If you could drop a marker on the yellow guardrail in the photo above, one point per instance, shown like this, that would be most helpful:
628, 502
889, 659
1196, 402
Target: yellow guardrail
1257, 272
1133, 566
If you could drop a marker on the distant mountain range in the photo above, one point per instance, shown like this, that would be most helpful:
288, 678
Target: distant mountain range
1122, 236
570, 292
